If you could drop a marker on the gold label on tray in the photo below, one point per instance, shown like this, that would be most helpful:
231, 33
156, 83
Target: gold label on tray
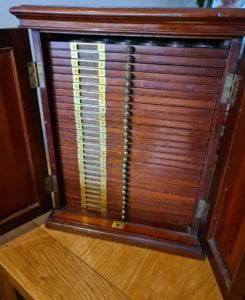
88, 77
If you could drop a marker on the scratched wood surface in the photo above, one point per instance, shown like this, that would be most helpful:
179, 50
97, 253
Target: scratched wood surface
48, 264
43, 269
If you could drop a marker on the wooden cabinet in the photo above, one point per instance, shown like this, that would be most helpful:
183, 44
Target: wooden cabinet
144, 126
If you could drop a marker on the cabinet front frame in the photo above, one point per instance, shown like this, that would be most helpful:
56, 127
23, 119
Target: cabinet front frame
179, 243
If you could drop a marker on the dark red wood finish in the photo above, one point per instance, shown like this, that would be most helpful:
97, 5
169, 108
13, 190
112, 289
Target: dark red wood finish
163, 203
206, 80
23, 163
184, 22
226, 233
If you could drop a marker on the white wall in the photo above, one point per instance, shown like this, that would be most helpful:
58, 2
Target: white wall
7, 20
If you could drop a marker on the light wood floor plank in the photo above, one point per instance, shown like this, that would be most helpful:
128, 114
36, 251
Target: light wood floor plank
47, 270
144, 274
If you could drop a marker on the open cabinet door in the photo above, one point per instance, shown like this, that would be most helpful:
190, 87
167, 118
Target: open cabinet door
226, 233
23, 166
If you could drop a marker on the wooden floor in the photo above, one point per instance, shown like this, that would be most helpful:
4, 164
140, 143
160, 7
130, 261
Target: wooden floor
47, 264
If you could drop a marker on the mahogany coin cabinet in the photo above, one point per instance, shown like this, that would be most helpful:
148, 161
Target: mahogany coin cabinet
142, 113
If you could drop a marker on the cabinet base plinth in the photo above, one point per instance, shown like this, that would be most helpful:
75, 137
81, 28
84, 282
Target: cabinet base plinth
133, 234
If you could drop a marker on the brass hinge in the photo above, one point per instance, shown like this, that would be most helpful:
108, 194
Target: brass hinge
36, 74
51, 184
230, 89
201, 209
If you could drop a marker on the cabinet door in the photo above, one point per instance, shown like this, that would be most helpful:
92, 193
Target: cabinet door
226, 236
23, 165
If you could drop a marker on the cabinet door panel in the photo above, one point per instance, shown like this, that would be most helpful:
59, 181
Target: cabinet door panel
226, 236
22, 160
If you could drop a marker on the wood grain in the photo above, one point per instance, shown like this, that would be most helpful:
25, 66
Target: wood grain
22, 160
195, 22
174, 104
47, 270
148, 23
226, 233
150, 49
137, 273
167, 102
149, 59
6, 289
57, 69
160, 70
141, 273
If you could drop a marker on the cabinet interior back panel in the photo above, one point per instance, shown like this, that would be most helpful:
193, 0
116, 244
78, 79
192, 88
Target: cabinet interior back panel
133, 120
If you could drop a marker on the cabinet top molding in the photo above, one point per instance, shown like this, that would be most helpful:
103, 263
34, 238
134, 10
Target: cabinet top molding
195, 22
